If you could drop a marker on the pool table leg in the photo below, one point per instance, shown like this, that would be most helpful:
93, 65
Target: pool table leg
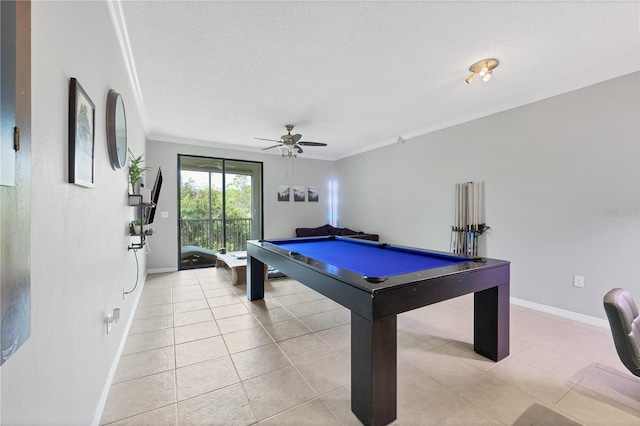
255, 278
491, 322
374, 369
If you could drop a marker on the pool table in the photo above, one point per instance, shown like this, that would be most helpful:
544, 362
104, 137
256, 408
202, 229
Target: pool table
376, 282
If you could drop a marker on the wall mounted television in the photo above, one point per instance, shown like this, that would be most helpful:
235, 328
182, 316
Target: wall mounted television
155, 195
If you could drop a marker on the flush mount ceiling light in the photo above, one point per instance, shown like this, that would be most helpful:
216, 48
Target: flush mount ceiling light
483, 68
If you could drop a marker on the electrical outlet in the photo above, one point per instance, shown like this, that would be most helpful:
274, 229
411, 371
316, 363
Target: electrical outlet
112, 318
109, 321
578, 281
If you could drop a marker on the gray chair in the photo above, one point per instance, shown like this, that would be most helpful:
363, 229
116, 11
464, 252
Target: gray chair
622, 312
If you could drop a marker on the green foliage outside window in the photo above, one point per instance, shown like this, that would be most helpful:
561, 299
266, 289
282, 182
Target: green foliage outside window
205, 230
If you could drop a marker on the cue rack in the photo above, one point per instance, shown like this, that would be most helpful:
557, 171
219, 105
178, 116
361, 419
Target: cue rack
468, 219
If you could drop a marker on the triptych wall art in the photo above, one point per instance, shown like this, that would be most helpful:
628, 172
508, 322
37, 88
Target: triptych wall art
300, 193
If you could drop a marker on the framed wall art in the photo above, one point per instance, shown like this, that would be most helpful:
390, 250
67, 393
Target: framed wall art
298, 193
284, 192
312, 194
82, 120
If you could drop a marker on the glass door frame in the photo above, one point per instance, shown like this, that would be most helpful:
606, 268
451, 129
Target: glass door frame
223, 160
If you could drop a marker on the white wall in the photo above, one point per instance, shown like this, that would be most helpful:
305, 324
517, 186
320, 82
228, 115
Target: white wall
551, 170
80, 262
280, 218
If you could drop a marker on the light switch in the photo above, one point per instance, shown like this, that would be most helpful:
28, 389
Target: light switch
578, 281
164, 214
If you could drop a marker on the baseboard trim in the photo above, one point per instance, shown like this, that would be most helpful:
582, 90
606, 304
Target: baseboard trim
598, 322
114, 365
161, 270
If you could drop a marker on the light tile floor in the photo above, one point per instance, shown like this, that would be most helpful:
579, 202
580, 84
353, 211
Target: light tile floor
199, 353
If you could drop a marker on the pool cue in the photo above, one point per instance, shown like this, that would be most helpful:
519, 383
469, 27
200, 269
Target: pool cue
459, 191
462, 212
469, 216
458, 205
473, 221
479, 202
480, 195
466, 217
453, 227
455, 211
475, 205
481, 212
476, 191
461, 224
465, 201
451, 241
473, 217
460, 229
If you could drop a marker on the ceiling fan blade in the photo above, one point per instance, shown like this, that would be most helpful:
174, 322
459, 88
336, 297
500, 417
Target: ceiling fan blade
274, 146
312, 143
296, 138
297, 147
270, 140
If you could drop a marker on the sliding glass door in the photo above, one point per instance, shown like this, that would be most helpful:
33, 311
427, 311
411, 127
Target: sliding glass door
220, 205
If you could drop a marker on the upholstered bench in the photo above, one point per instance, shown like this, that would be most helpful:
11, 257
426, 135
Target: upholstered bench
331, 230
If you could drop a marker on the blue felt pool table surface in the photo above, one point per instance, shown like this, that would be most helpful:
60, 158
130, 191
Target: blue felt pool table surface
375, 260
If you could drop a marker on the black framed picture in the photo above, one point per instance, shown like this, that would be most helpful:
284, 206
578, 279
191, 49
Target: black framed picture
298, 193
312, 194
284, 192
82, 120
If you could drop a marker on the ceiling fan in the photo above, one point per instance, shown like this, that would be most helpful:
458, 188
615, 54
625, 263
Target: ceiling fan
289, 144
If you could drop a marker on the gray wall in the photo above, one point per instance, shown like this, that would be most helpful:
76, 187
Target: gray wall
552, 171
280, 218
80, 262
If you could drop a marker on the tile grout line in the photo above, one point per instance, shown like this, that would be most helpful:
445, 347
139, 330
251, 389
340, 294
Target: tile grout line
295, 367
600, 364
244, 391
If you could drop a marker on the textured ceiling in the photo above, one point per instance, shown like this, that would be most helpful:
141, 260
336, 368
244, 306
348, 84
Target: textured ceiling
358, 75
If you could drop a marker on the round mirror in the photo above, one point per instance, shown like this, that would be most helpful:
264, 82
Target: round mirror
116, 130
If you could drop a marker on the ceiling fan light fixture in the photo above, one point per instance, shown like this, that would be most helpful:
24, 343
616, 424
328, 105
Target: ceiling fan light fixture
290, 145
483, 68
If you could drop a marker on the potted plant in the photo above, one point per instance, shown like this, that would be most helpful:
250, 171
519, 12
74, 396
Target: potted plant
136, 171
137, 227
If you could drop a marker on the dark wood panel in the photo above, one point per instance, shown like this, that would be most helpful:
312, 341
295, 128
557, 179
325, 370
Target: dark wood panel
374, 369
